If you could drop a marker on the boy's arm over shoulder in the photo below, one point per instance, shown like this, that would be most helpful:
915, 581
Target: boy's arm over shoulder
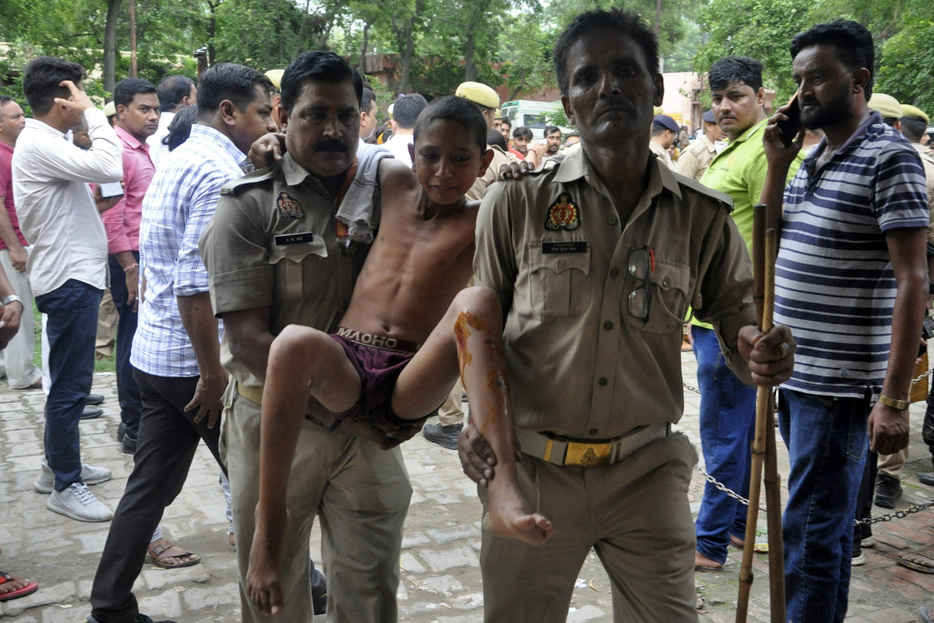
395, 180
395, 175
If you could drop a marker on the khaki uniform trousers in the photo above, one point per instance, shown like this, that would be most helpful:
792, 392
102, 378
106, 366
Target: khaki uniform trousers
450, 412
635, 514
362, 495
893, 464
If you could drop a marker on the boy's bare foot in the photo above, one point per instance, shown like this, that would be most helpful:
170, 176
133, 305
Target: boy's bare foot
511, 520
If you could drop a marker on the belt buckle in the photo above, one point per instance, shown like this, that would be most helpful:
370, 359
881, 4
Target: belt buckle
587, 454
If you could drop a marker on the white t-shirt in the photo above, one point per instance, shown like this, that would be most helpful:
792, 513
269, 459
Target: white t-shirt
398, 145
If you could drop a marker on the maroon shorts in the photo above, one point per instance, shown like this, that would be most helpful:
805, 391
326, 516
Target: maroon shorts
379, 369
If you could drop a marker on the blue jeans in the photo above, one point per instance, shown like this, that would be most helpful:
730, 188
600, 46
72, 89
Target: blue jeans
727, 427
127, 391
827, 441
71, 331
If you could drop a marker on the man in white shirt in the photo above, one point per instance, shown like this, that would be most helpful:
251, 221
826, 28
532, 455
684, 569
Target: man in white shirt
175, 93
68, 262
404, 113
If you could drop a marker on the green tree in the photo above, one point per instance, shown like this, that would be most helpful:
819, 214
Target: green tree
761, 29
907, 60
264, 34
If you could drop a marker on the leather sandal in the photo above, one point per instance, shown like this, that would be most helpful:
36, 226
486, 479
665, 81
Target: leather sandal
162, 555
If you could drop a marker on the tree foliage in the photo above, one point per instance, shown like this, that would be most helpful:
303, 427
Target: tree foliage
903, 31
761, 29
435, 44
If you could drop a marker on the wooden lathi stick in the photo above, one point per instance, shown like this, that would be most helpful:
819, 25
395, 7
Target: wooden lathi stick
763, 449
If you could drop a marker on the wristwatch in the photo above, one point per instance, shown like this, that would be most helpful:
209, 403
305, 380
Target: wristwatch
898, 405
9, 299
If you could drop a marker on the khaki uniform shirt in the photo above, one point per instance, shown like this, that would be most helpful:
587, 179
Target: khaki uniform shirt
479, 187
694, 160
581, 364
662, 154
928, 162
272, 244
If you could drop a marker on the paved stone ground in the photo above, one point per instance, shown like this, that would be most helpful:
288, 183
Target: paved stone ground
440, 559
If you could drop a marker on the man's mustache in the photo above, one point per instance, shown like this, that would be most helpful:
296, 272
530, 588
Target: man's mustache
331, 145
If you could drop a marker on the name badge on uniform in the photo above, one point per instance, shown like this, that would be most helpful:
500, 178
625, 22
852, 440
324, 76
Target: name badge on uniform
579, 246
297, 238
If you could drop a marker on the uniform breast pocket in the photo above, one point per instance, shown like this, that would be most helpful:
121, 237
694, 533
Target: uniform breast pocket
290, 261
559, 282
661, 299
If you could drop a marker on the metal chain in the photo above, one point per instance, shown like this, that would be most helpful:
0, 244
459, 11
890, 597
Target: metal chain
921, 377
722, 487
917, 508
900, 514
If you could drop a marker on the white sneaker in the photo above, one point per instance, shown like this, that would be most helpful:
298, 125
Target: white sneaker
79, 503
89, 474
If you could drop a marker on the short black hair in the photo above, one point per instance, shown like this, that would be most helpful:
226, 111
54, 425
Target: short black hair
912, 127
624, 23
496, 138
506, 121
229, 81
853, 44
128, 88
41, 78
522, 132
319, 66
368, 98
4, 99
407, 108
457, 109
180, 127
658, 129
549, 129
172, 90
732, 69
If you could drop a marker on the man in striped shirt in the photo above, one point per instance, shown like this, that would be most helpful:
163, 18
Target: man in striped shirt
850, 282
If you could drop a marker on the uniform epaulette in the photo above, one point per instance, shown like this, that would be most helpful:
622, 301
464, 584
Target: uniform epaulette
251, 179
725, 200
551, 164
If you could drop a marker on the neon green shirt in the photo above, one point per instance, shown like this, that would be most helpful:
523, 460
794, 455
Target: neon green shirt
739, 171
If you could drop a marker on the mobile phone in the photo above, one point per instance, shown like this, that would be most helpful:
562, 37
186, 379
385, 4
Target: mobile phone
791, 127
113, 189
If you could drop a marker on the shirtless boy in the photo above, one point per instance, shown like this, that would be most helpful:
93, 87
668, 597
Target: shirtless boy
402, 299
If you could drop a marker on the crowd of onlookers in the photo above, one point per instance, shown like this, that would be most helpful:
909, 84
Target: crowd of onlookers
214, 215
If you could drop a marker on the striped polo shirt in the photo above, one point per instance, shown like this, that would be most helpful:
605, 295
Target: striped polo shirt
834, 285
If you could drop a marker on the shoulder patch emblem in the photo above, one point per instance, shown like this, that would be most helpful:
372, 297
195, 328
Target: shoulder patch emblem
563, 214
289, 208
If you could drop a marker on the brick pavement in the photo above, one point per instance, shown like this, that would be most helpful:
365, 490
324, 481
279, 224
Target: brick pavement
440, 559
